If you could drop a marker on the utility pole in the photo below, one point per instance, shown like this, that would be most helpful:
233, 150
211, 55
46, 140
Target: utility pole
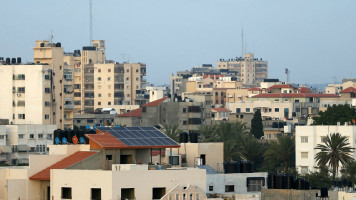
91, 21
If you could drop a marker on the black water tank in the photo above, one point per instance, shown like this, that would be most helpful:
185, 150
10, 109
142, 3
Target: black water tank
300, 184
7, 61
193, 136
271, 181
58, 44
183, 137
349, 184
344, 182
18, 60
279, 181
289, 183
306, 185
324, 192
232, 167
247, 166
56, 134
13, 61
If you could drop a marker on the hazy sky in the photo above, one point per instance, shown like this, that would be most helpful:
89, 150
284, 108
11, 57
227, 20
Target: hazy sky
315, 39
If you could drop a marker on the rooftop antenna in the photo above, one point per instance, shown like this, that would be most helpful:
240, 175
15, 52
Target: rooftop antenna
287, 71
91, 21
242, 42
51, 37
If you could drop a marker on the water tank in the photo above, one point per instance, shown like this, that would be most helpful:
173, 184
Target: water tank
18, 60
232, 167
289, 181
300, 184
193, 136
247, 166
42, 45
183, 137
279, 181
7, 61
306, 185
271, 181
56, 134
324, 192
58, 44
13, 61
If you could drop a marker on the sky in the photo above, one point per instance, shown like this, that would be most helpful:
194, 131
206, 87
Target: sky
315, 40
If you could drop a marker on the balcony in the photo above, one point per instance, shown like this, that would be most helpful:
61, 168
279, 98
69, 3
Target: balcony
68, 106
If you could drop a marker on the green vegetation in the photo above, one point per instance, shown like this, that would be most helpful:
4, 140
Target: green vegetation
256, 125
334, 150
171, 131
334, 114
280, 154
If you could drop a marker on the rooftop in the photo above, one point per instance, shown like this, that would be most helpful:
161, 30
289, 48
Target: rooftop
221, 110
349, 90
65, 163
294, 95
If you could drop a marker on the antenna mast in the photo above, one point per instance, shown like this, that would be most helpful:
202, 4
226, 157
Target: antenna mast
91, 21
242, 42
287, 71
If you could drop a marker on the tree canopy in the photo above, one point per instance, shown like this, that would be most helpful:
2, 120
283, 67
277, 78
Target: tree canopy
334, 114
257, 125
334, 150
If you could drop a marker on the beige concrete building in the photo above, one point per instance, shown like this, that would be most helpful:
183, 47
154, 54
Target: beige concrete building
29, 95
62, 76
250, 70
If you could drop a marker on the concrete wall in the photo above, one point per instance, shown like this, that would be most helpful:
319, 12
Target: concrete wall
281, 194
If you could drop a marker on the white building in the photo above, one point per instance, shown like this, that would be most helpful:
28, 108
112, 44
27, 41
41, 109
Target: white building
308, 137
18, 141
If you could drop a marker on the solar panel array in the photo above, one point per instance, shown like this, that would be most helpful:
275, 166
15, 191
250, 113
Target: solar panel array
140, 136
209, 170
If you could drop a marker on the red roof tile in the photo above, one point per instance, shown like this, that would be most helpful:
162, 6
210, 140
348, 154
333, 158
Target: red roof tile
133, 113
349, 90
65, 163
155, 103
305, 90
294, 95
105, 140
221, 110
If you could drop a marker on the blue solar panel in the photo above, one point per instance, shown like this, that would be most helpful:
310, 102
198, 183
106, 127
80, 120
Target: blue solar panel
140, 136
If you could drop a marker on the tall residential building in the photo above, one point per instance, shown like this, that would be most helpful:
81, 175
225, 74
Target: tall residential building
133, 80
62, 95
249, 69
28, 96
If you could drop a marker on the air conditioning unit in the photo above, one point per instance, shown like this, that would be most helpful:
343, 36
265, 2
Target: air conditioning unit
18, 94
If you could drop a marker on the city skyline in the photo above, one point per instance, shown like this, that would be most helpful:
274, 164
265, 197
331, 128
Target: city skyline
176, 36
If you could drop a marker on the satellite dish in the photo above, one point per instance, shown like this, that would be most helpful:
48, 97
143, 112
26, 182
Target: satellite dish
57, 140
64, 140
75, 140
81, 140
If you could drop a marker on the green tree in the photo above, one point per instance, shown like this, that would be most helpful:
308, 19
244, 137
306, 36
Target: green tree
171, 131
319, 178
281, 153
334, 114
256, 125
334, 150
249, 148
350, 171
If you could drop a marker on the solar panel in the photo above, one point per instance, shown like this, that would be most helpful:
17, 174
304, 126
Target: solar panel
140, 136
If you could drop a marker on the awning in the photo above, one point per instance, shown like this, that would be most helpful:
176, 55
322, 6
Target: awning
23, 147
5, 149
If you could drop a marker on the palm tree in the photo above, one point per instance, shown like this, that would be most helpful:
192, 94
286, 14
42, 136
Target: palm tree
208, 134
249, 148
334, 150
281, 152
171, 131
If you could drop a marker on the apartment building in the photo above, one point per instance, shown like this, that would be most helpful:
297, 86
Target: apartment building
62, 82
133, 80
18, 141
28, 93
308, 137
250, 70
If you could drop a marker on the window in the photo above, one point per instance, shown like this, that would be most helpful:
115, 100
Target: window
238, 110
21, 89
77, 86
66, 193
47, 104
31, 136
304, 169
109, 78
247, 109
304, 154
255, 184
49, 136
158, 193
90, 121
40, 136
184, 122
99, 78
211, 188
304, 139
296, 101
276, 110
2, 137
268, 136
109, 70
99, 70
47, 90
68, 75
21, 116
99, 103
174, 160
109, 94
109, 103
46, 116
95, 193
229, 188
21, 103
21, 136
99, 95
